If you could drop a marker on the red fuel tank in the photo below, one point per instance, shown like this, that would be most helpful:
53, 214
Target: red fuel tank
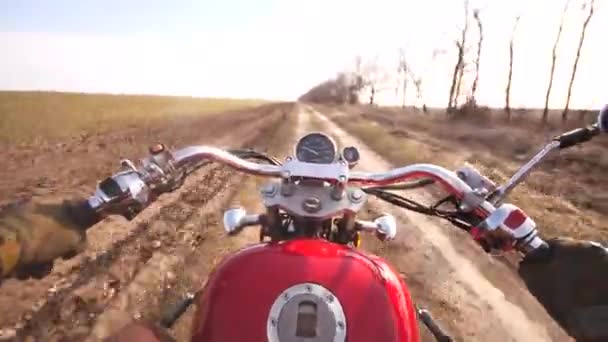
304, 290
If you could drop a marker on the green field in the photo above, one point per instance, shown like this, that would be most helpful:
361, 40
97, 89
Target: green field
27, 117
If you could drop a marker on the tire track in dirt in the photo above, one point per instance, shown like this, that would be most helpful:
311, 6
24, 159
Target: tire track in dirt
462, 298
117, 240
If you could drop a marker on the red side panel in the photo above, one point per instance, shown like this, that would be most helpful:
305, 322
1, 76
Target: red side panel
240, 292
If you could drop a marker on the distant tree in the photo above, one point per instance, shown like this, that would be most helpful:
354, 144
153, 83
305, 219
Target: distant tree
373, 78
460, 62
508, 90
343, 89
478, 59
578, 55
545, 116
403, 69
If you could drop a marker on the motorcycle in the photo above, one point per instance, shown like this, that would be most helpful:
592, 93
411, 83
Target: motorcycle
305, 279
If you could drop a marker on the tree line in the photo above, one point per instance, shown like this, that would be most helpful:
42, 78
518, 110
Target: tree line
347, 87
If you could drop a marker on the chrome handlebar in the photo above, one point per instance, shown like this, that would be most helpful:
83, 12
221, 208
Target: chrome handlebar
199, 153
523, 235
339, 172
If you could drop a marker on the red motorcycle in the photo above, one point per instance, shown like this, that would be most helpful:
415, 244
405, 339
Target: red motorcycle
307, 281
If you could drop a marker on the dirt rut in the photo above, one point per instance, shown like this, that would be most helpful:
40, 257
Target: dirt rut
66, 303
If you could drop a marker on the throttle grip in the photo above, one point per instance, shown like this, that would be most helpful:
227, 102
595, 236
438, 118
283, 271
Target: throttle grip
577, 136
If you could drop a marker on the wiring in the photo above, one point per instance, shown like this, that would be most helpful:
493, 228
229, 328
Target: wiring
453, 216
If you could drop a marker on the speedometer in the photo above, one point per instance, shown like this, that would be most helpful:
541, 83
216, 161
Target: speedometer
316, 148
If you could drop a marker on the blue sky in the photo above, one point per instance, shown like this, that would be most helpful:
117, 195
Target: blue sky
116, 16
277, 49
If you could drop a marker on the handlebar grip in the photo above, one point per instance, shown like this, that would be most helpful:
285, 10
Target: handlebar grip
577, 136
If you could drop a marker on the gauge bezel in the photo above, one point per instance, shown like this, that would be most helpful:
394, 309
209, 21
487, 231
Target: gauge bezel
330, 140
358, 154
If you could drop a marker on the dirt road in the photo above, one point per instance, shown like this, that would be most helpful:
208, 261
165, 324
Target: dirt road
133, 269
476, 298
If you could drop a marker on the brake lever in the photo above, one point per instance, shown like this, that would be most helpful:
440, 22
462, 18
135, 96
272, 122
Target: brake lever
503, 191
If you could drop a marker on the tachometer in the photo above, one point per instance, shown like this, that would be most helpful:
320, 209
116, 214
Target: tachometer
316, 148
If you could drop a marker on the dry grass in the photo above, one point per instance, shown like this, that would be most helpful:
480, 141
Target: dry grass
566, 195
33, 116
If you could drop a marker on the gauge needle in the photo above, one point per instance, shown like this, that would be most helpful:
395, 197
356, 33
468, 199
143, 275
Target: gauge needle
311, 150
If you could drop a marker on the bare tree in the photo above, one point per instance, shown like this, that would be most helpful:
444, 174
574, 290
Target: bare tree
553, 60
372, 77
403, 68
458, 79
417, 80
477, 61
459, 67
578, 55
508, 90
455, 78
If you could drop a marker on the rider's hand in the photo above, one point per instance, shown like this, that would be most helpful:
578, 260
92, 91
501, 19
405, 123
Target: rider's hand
140, 332
570, 280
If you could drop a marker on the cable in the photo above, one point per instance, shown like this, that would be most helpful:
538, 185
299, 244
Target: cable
455, 217
252, 154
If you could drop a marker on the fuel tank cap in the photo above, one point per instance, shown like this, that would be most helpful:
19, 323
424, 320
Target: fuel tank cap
306, 312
